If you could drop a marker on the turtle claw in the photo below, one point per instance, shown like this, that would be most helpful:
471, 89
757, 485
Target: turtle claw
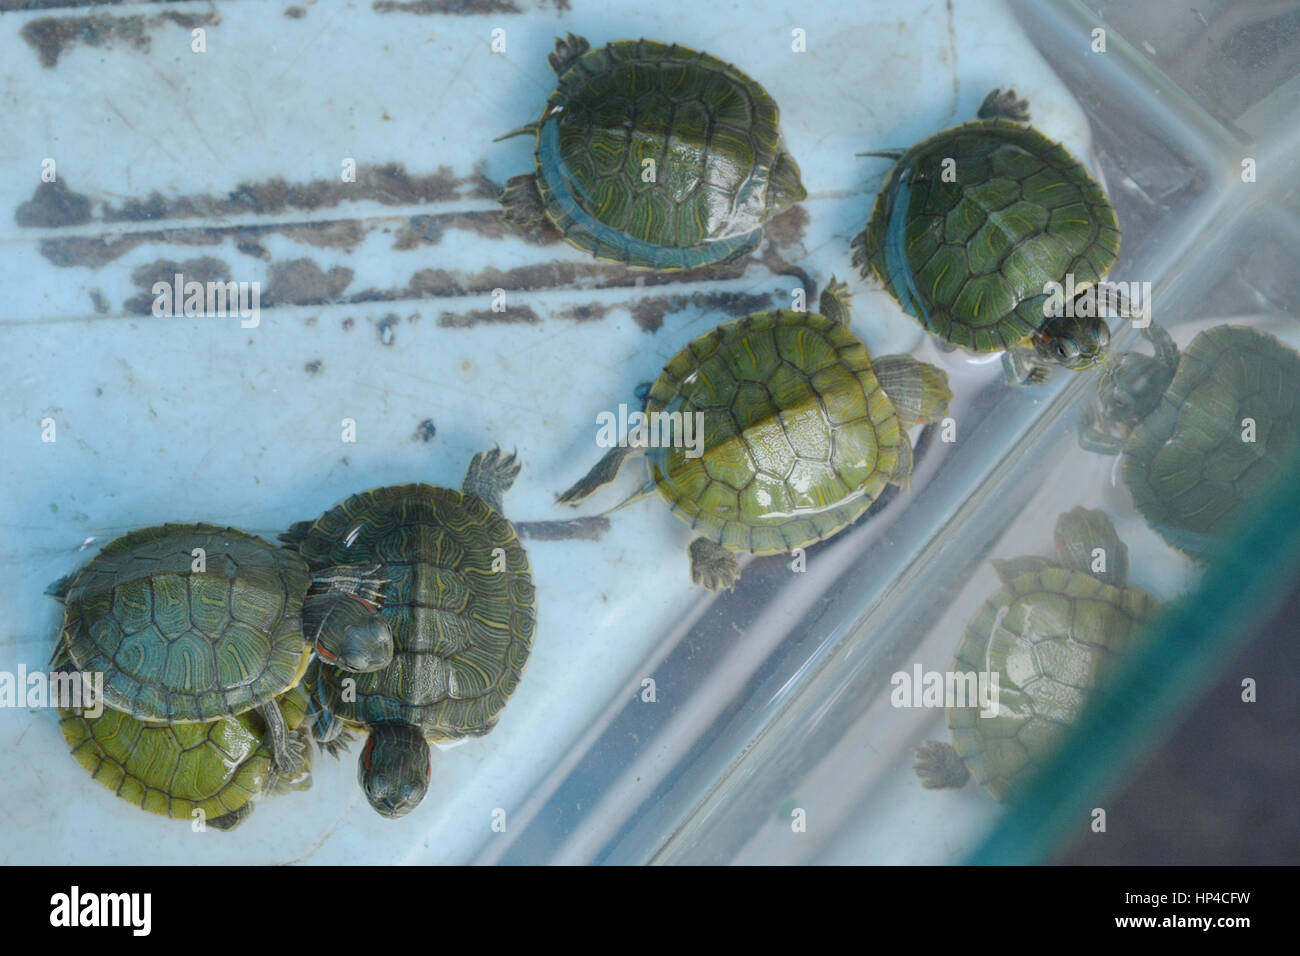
282, 780
836, 301
713, 566
1004, 104
490, 476
939, 766
294, 760
861, 260
568, 50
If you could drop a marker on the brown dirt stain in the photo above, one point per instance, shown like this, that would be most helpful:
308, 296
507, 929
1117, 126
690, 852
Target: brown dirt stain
303, 282
51, 37
52, 206
202, 269
516, 316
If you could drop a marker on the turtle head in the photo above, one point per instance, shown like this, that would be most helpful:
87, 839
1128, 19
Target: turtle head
394, 768
1132, 384
1086, 541
785, 188
1074, 342
352, 636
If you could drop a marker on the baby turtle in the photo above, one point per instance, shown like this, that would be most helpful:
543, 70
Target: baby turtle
655, 156
192, 622
459, 597
801, 431
209, 771
1201, 434
970, 226
1051, 634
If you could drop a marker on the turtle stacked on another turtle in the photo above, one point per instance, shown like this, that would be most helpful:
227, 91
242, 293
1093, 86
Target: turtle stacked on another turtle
211, 771
458, 595
196, 628
655, 156
1051, 634
970, 226
802, 430
1201, 433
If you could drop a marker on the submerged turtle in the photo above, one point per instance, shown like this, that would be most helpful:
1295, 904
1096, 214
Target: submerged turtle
215, 769
973, 223
801, 431
192, 622
654, 155
459, 598
1051, 634
1201, 434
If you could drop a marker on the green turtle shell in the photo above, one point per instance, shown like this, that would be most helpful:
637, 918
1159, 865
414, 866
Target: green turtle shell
1050, 635
217, 767
969, 258
799, 436
1186, 463
459, 598
711, 131
179, 645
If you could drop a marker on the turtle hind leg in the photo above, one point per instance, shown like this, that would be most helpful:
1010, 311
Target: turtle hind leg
522, 205
1004, 104
278, 781
939, 767
289, 749
713, 566
604, 471
490, 476
568, 50
835, 302
228, 821
920, 392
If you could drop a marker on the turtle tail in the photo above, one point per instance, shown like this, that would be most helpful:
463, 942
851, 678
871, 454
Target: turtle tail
919, 391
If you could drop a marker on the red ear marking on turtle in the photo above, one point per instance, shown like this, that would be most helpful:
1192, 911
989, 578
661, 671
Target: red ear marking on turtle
365, 752
364, 603
324, 652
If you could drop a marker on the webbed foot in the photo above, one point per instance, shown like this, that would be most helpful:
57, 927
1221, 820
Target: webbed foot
713, 566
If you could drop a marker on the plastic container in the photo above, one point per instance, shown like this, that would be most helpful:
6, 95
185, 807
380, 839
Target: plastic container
377, 308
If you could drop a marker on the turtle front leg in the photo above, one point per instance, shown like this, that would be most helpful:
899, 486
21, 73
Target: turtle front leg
490, 476
290, 749
939, 767
1094, 437
713, 565
567, 52
522, 205
1004, 104
329, 732
1023, 367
